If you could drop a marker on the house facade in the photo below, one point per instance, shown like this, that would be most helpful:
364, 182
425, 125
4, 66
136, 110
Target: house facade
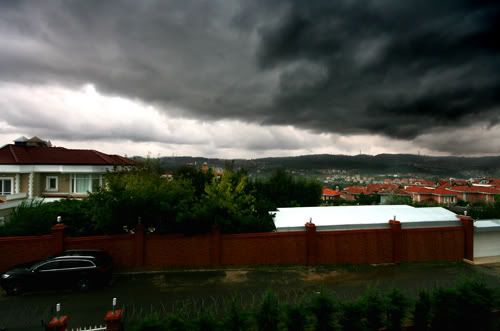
474, 194
329, 194
32, 168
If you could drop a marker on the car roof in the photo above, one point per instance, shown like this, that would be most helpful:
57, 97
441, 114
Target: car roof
66, 257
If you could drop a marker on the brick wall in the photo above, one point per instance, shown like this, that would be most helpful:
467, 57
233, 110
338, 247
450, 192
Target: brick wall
120, 246
431, 244
354, 246
264, 248
17, 250
309, 247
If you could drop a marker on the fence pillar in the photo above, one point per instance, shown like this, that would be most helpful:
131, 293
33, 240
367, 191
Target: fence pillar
468, 226
113, 320
58, 233
215, 246
57, 324
311, 244
397, 240
139, 245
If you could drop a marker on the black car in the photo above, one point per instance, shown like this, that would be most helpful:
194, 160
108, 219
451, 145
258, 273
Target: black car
78, 269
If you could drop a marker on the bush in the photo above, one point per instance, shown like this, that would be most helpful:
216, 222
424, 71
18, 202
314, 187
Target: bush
35, 217
235, 320
397, 306
352, 317
268, 314
152, 322
176, 323
422, 312
466, 307
206, 323
445, 310
475, 302
296, 319
323, 308
374, 309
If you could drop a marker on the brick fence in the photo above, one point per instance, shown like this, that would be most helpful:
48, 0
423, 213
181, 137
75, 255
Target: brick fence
309, 247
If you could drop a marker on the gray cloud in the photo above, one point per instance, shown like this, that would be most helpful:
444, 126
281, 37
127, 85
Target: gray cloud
398, 69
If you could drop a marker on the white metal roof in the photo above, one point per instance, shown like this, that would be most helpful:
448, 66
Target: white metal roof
358, 217
487, 225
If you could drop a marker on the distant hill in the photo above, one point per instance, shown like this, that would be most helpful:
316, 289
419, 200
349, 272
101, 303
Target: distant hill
378, 164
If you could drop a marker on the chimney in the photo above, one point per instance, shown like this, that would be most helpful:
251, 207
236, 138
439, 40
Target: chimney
21, 141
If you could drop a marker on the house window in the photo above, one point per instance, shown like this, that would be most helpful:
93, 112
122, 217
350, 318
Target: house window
6, 186
52, 183
83, 183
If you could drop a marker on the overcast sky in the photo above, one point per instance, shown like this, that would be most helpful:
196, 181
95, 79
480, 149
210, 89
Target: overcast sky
253, 78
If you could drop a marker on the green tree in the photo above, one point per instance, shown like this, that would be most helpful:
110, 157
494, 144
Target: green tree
140, 193
283, 190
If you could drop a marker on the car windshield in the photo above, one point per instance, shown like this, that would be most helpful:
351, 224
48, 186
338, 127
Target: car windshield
37, 265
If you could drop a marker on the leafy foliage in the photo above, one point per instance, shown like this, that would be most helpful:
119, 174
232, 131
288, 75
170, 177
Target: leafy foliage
374, 309
468, 306
296, 319
36, 217
324, 308
397, 306
235, 319
422, 312
192, 202
268, 315
480, 210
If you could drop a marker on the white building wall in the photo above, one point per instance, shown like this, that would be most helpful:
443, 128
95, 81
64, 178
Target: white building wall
486, 243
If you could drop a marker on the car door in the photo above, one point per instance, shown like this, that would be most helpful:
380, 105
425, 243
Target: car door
74, 270
47, 276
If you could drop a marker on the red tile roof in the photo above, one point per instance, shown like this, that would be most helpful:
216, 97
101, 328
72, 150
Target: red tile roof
442, 191
428, 190
355, 190
495, 182
476, 189
330, 192
419, 189
15, 154
375, 188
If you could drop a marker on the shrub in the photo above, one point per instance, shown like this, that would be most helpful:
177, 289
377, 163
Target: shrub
396, 309
206, 323
175, 323
296, 319
352, 317
36, 217
235, 320
152, 322
323, 308
268, 314
445, 310
374, 309
422, 312
475, 302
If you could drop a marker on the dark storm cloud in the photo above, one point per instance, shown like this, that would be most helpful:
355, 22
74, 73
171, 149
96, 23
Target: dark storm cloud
384, 61
390, 67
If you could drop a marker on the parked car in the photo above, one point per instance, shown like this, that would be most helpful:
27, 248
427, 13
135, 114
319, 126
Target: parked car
79, 269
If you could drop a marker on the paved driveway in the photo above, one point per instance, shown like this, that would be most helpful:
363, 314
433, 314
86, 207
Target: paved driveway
194, 291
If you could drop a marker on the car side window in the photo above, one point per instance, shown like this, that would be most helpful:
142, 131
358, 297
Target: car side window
72, 264
54, 265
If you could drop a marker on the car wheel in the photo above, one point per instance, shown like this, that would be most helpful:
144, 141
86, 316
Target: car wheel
14, 289
83, 284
